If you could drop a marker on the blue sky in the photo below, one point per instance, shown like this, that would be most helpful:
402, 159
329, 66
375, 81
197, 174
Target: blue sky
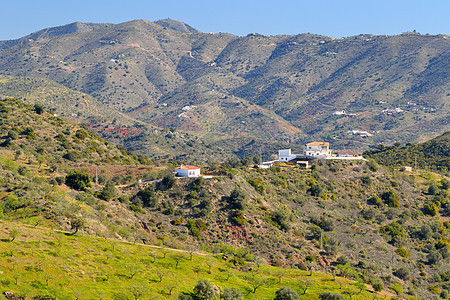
335, 18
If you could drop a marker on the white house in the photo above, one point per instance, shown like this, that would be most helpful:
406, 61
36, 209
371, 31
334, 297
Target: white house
339, 113
318, 149
286, 155
187, 171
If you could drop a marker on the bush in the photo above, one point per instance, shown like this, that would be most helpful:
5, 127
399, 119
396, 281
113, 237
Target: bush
402, 273
391, 199
430, 209
236, 200
231, 294
204, 290
375, 200
108, 192
147, 197
79, 180
402, 252
286, 293
377, 286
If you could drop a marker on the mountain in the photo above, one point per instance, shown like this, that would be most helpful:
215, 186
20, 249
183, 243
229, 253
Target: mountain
274, 89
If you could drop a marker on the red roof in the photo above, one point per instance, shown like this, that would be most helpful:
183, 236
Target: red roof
187, 167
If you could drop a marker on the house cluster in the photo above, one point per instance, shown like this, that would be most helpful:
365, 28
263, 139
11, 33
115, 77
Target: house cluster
314, 150
393, 110
360, 133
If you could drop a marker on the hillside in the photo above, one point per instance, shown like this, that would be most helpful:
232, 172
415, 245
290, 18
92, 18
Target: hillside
268, 88
356, 220
433, 154
106, 122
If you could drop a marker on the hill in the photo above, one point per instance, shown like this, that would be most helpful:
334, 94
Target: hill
354, 219
106, 122
267, 88
433, 154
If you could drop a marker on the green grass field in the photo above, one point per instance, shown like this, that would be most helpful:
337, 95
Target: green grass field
43, 262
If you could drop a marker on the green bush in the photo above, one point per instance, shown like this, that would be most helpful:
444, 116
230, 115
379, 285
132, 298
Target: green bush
430, 209
78, 180
286, 293
391, 199
402, 252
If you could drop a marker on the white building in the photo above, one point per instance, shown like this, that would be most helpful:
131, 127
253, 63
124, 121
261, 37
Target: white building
286, 155
187, 171
318, 149
339, 113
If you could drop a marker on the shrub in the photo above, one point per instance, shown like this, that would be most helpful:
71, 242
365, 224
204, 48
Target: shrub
231, 294
402, 252
204, 290
375, 200
236, 199
377, 286
108, 192
402, 273
147, 197
286, 293
391, 199
430, 209
79, 180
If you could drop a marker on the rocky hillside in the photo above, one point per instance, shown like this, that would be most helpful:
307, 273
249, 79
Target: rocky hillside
271, 88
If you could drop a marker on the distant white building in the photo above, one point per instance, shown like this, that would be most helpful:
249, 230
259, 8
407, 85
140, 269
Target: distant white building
360, 133
286, 155
318, 149
187, 171
339, 113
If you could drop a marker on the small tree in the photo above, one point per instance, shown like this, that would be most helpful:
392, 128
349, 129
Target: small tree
39, 109
108, 192
305, 284
204, 290
237, 199
286, 293
78, 180
231, 294
77, 224
13, 234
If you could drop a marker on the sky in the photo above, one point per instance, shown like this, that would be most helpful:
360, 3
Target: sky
334, 18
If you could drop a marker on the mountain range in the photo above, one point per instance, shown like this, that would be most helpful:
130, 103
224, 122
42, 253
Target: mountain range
234, 91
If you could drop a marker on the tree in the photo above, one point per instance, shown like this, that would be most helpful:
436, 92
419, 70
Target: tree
168, 182
13, 234
257, 159
178, 258
256, 282
204, 290
77, 224
237, 199
108, 192
231, 294
391, 199
39, 109
137, 291
286, 293
78, 180
305, 284
147, 197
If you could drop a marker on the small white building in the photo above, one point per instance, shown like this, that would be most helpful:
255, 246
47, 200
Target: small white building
286, 155
318, 149
187, 171
339, 113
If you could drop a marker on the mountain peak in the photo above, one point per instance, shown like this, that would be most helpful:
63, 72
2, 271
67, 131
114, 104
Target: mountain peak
176, 25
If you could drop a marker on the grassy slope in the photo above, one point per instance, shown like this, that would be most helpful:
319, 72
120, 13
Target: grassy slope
53, 263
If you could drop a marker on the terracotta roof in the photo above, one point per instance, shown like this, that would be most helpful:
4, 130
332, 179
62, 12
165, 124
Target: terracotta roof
318, 144
187, 167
